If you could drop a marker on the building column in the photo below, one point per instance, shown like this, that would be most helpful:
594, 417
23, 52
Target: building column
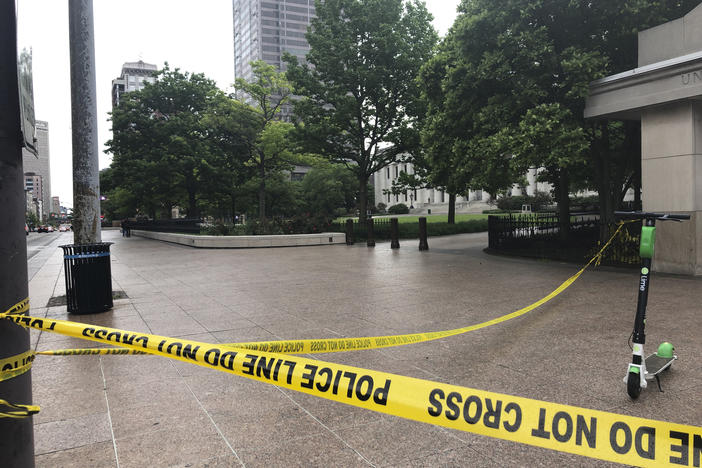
671, 167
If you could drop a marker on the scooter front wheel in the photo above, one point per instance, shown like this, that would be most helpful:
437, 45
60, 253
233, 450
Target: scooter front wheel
633, 385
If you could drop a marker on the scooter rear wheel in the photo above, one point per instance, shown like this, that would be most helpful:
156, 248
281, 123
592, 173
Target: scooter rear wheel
633, 385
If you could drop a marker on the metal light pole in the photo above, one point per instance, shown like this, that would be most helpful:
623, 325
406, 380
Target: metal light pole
16, 435
86, 172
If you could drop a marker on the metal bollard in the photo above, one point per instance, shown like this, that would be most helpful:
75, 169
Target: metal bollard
394, 234
423, 244
370, 242
350, 239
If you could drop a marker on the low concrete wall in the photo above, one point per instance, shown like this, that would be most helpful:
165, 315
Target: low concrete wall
245, 242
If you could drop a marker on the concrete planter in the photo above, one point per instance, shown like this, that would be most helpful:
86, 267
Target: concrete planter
246, 242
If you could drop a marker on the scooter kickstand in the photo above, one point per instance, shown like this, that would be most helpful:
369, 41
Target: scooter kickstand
658, 381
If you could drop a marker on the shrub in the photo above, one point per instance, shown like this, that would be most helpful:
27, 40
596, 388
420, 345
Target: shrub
381, 207
538, 202
304, 224
511, 203
218, 229
381, 230
589, 203
400, 208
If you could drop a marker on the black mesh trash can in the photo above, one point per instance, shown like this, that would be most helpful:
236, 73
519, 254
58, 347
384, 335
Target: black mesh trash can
88, 277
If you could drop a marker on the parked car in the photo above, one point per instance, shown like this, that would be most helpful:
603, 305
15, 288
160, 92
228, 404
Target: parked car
43, 228
64, 228
50, 229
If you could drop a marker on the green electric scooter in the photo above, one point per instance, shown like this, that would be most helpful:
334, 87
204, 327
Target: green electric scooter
641, 370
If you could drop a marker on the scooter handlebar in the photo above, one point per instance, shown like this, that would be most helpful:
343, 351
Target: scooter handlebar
646, 215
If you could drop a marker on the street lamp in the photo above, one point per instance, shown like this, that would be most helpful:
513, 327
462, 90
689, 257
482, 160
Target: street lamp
411, 201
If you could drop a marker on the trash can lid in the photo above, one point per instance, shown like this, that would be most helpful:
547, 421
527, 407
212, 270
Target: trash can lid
85, 248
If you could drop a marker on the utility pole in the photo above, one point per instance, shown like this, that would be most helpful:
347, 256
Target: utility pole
86, 169
16, 435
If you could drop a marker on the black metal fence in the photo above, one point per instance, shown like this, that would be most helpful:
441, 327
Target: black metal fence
184, 226
538, 235
381, 228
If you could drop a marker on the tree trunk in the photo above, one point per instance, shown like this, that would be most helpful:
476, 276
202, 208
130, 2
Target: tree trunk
262, 192
191, 187
605, 185
233, 206
634, 136
452, 209
563, 204
362, 199
192, 205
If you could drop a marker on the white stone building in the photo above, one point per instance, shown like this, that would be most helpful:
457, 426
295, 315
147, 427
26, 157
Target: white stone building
438, 200
133, 77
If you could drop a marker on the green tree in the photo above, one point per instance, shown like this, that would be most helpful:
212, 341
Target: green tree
328, 189
282, 196
359, 88
515, 75
232, 128
32, 219
454, 137
272, 150
159, 141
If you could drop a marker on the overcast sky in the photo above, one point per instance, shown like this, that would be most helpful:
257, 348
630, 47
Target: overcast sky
195, 36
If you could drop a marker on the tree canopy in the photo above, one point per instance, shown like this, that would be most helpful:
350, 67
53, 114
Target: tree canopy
160, 143
507, 91
358, 88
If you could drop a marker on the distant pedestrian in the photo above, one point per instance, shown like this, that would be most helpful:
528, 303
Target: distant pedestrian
123, 225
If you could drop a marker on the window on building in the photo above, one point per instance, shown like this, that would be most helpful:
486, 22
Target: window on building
396, 171
397, 198
405, 196
388, 198
406, 169
443, 197
479, 195
388, 173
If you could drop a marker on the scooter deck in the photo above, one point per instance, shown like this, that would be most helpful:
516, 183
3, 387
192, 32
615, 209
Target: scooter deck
655, 365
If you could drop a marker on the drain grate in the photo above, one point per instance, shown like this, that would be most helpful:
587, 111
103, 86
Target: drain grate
58, 301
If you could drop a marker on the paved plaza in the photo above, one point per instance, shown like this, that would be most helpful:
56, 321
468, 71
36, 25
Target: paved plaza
136, 411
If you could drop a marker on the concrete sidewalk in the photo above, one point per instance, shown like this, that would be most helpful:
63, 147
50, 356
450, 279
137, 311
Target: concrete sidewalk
134, 411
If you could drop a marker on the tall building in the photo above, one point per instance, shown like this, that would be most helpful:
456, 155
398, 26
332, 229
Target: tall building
37, 173
264, 30
55, 205
133, 77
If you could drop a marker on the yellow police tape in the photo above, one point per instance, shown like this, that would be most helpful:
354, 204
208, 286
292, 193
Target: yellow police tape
20, 308
564, 428
17, 411
13, 366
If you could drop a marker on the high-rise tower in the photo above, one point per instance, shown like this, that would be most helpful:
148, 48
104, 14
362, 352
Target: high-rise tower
37, 172
264, 30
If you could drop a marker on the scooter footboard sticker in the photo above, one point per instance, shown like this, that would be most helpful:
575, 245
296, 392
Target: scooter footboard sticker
590, 433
